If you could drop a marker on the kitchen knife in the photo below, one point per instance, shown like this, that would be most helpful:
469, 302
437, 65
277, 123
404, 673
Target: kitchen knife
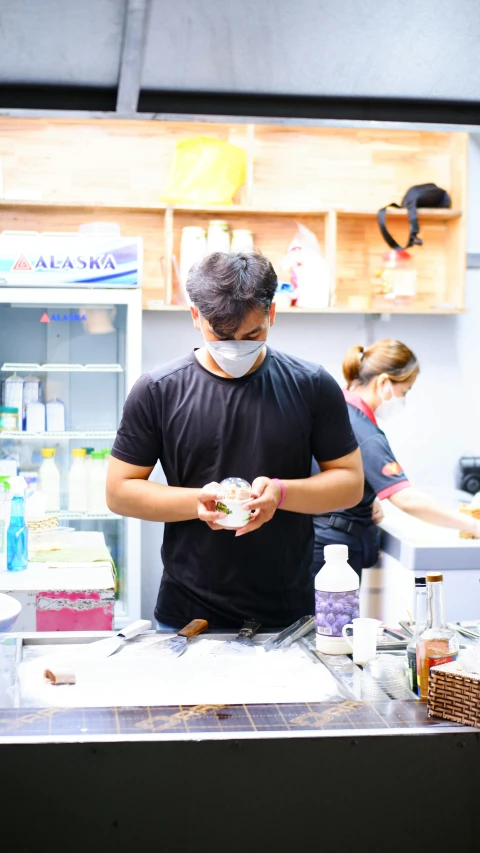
177, 645
105, 648
242, 643
289, 635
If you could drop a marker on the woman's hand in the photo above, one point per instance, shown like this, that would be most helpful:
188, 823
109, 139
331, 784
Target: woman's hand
476, 529
207, 506
377, 512
266, 496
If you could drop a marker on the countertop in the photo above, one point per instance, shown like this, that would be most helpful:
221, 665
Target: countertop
348, 716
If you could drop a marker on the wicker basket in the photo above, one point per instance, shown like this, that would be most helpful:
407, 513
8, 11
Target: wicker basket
49, 523
454, 694
473, 513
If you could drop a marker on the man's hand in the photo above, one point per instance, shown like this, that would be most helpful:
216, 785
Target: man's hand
206, 506
377, 512
266, 497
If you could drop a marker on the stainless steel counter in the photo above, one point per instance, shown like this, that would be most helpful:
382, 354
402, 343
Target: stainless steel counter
256, 777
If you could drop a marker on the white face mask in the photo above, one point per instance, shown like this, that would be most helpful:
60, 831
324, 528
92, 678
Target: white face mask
391, 407
235, 358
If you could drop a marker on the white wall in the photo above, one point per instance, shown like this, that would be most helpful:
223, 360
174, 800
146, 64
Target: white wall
442, 417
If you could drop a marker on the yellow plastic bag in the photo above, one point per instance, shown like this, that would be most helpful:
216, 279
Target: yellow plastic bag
205, 171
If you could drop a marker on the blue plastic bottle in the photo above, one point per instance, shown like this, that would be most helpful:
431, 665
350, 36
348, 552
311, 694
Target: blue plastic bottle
17, 536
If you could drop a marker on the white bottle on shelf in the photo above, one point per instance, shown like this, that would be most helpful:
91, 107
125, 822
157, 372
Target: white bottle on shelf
218, 236
77, 481
13, 396
97, 482
193, 248
49, 478
55, 415
31, 394
35, 416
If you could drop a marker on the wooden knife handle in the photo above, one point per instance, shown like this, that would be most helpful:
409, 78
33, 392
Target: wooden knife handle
196, 626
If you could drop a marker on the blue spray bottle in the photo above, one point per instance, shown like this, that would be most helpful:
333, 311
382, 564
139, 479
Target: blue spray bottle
17, 536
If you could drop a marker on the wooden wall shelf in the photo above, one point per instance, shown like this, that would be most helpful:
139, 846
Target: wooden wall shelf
292, 312
333, 180
423, 212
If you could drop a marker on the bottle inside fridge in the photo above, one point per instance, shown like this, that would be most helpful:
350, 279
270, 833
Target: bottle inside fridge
49, 478
77, 481
17, 537
97, 482
4, 522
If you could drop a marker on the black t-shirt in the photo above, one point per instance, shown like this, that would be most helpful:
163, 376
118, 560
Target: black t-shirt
383, 474
204, 428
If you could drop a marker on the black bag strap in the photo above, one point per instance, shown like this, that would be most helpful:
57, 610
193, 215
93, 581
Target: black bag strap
413, 240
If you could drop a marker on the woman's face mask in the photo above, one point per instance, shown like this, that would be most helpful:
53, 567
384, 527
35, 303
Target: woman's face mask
391, 406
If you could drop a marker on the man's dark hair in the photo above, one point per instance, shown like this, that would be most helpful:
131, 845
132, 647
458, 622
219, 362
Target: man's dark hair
225, 287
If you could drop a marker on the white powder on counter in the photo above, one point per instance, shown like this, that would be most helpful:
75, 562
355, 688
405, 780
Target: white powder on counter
197, 677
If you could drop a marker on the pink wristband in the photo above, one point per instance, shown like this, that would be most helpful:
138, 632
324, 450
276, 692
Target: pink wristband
282, 489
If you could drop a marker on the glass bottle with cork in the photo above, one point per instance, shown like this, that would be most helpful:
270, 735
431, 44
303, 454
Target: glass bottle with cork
420, 624
437, 643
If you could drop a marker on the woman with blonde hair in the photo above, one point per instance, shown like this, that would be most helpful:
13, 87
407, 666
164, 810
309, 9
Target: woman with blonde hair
379, 378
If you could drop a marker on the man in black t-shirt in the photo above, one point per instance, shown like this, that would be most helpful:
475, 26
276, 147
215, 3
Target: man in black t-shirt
235, 408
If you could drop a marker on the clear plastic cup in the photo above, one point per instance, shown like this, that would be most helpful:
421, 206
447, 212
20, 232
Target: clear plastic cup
385, 677
232, 494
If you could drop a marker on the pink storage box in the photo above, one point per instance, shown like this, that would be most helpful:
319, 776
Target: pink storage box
63, 599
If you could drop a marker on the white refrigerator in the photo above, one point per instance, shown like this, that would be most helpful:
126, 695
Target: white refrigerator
71, 317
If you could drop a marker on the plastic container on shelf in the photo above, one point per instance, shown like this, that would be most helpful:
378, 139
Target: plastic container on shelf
397, 278
88, 465
284, 295
31, 394
218, 236
336, 600
106, 456
13, 395
49, 478
77, 481
96, 484
55, 416
9, 418
242, 240
35, 416
193, 248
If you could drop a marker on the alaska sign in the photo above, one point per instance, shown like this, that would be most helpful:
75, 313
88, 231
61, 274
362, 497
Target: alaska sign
70, 260
54, 262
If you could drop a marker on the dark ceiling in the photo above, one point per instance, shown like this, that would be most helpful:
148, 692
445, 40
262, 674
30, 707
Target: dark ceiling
410, 61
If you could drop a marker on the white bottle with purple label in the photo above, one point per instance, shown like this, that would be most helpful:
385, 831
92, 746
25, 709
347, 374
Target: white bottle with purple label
336, 600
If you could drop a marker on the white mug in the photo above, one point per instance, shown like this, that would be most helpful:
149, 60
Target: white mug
364, 645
